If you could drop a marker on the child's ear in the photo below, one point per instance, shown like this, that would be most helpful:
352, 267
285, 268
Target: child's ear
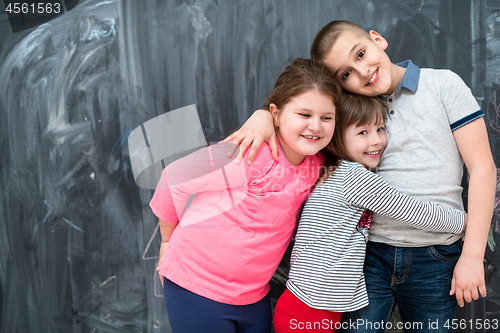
275, 112
377, 38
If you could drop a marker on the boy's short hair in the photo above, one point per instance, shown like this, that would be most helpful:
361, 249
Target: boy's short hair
328, 35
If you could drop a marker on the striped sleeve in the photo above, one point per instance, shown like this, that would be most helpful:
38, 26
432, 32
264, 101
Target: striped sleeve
368, 190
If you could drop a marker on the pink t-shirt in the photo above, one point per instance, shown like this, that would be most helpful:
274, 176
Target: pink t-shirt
232, 237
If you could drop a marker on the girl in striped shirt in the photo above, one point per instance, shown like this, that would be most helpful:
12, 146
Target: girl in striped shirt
326, 274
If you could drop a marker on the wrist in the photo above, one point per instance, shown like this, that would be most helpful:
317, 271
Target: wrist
472, 255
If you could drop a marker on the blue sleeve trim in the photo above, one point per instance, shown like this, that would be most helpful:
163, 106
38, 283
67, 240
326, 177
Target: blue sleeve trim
464, 121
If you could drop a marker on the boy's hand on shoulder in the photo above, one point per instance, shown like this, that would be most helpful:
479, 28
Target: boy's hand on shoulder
257, 129
468, 280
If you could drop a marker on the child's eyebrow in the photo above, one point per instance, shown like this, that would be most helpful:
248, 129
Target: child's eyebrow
355, 46
309, 110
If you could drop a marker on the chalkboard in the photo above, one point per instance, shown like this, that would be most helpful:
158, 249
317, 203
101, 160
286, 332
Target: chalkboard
78, 241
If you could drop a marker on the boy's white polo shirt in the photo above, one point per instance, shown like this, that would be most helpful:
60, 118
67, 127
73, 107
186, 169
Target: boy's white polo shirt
422, 157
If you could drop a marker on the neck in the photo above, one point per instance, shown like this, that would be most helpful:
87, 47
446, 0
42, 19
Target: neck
397, 76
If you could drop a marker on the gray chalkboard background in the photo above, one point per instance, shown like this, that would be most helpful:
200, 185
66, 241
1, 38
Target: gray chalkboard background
77, 238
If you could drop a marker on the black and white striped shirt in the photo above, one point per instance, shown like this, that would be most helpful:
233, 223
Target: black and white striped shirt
327, 258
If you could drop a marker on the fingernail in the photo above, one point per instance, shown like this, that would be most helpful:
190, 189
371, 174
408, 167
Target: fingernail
249, 162
237, 160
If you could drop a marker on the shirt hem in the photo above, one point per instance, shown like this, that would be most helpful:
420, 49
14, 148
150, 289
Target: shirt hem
449, 241
466, 120
294, 289
214, 296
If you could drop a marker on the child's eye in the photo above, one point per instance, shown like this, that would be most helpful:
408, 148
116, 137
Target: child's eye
361, 54
381, 129
305, 115
346, 75
363, 132
327, 118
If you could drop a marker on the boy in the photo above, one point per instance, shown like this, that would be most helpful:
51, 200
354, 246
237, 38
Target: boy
434, 126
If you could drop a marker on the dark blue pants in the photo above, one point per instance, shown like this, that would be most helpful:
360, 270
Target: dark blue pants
418, 279
191, 313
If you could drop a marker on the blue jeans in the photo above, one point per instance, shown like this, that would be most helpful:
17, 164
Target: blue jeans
417, 279
192, 313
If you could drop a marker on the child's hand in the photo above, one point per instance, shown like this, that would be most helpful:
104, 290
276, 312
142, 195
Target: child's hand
163, 250
468, 280
257, 129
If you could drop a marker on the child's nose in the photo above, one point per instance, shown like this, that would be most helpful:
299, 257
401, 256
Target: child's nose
362, 69
315, 125
375, 139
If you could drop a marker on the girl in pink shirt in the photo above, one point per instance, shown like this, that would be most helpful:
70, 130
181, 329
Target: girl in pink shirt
218, 256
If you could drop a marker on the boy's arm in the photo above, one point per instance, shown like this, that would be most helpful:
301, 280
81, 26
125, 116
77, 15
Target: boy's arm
257, 129
468, 276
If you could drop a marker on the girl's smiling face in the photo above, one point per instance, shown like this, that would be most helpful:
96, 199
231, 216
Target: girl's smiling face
305, 124
366, 143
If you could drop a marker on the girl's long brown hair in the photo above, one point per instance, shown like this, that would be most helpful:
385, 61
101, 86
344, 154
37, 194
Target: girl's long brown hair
303, 75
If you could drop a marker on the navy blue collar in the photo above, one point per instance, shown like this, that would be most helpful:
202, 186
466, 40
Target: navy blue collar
411, 77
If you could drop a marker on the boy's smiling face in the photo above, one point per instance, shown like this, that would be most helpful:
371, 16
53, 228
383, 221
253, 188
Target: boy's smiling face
361, 64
